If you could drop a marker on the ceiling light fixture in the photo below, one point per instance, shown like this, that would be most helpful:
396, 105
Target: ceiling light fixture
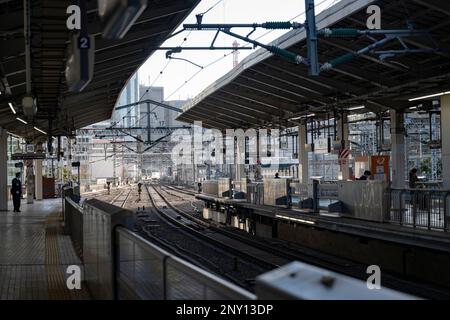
21, 120
430, 96
356, 108
41, 131
12, 108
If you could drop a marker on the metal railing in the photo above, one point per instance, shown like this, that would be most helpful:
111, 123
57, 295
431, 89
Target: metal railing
144, 271
421, 208
73, 224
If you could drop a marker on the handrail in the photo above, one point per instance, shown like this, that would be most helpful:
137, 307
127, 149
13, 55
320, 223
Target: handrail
418, 207
168, 260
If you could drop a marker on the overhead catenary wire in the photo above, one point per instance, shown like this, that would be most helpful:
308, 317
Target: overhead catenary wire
165, 67
226, 55
167, 64
193, 76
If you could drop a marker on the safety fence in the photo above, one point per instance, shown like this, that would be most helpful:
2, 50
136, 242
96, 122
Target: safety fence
144, 271
73, 224
120, 264
421, 208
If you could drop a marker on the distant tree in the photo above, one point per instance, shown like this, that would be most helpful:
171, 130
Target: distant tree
66, 174
425, 166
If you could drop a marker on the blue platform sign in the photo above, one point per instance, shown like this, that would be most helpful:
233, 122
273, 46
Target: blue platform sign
84, 43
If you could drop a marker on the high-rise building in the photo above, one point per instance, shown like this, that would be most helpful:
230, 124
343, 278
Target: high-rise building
128, 117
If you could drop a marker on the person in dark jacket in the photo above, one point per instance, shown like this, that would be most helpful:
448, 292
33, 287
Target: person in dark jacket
366, 175
16, 192
413, 179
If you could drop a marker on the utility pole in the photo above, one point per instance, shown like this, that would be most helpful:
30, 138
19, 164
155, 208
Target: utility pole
311, 31
114, 162
149, 136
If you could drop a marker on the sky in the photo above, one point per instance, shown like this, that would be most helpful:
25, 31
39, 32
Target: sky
182, 80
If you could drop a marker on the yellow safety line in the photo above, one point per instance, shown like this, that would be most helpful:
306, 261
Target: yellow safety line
56, 281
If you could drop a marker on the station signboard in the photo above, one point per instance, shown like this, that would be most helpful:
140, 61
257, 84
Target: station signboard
435, 144
30, 148
321, 146
76, 164
28, 156
380, 167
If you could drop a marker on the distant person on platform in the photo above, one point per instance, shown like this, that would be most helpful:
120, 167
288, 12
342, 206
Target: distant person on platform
277, 175
16, 192
413, 179
366, 175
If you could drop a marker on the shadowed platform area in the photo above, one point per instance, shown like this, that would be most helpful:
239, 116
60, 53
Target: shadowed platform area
34, 254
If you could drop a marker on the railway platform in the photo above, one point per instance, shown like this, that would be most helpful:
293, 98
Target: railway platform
435, 240
34, 254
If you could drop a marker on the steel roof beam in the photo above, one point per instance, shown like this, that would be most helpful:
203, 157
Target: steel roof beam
262, 100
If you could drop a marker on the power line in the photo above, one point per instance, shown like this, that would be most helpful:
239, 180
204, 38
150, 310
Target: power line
167, 64
226, 55
212, 7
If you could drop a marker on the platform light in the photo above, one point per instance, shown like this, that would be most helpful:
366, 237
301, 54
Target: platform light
41, 131
12, 108
413, 108
21, 120
302, 117
295, 219
356, 108
430, 96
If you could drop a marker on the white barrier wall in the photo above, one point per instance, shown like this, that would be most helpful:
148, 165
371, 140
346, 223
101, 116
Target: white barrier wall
363, 199
210, 187
275, 191
224, 188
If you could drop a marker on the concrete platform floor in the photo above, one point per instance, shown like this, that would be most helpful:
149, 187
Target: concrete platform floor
34, 254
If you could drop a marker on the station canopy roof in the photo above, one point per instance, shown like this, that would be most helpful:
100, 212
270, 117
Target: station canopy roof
115, 61
266, 91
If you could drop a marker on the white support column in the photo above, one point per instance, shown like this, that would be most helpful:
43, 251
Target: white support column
30, 182
3, 170
398, 151
303, 168
240, 159
445, 136
343, 133
38, 180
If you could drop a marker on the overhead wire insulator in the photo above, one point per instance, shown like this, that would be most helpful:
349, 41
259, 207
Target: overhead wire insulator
278, 25
339, 60
288, 55
343, 32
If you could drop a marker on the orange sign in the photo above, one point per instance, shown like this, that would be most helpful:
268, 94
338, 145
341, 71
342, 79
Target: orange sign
379, 166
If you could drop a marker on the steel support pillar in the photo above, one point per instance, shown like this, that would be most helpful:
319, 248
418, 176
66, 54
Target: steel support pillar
30, 182
398, 152
4, 194
342, 134
303, 168
240, 159
38, 180
445, 136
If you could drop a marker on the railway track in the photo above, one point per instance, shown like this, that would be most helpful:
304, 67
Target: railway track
175, 224
121, 199
292, 252
232, 259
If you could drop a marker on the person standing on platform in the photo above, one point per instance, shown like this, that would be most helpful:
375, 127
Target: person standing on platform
366, 176
413, 179
16, 192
